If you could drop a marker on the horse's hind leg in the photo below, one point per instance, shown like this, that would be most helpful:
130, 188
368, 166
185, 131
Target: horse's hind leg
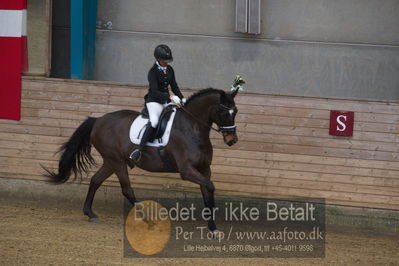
123, 176
98, 178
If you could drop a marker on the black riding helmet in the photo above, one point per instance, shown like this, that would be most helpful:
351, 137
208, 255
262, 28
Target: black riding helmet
162, 52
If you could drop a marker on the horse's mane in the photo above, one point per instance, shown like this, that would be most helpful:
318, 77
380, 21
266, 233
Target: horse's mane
203, 92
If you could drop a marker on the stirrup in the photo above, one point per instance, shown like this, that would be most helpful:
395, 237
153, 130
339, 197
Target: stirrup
135, 155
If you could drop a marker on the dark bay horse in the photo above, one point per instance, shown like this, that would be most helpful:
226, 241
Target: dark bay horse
189, 150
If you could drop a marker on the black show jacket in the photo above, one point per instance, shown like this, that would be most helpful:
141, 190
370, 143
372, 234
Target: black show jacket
159, 82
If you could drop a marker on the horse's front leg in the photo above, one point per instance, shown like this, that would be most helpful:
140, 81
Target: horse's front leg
209, 202
207, 190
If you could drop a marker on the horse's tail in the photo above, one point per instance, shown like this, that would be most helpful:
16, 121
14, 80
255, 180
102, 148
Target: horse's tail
76, 156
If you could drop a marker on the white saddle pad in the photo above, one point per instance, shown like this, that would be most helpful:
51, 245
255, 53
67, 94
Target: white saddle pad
138, 127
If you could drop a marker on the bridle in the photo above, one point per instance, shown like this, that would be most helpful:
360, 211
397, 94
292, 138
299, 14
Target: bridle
226, 128
219, 130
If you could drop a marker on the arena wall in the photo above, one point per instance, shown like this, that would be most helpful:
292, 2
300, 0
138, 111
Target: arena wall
284, 148
323, 48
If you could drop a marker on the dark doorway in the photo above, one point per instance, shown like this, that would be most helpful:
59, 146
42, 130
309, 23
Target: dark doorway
61, 36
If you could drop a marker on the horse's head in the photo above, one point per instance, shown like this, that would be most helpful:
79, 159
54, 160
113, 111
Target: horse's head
224, 117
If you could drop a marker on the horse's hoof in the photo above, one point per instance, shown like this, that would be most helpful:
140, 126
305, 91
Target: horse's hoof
218, 235
94, 220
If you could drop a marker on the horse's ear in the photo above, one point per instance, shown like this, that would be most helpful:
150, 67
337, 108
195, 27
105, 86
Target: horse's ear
234, 93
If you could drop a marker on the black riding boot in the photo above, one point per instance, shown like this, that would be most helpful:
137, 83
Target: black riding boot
136, 154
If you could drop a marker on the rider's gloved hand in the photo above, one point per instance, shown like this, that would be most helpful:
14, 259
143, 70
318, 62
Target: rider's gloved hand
183, 101
175, 99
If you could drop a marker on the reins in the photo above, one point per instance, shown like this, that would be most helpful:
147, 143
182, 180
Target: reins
190, 114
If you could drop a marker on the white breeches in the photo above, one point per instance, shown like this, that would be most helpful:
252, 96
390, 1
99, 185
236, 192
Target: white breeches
154, 111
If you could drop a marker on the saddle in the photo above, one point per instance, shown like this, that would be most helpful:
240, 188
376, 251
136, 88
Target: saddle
163, 120
162, 132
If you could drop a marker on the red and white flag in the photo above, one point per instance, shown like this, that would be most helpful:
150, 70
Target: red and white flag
13, 56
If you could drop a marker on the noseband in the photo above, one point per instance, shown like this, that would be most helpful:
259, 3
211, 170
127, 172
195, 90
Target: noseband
227, 128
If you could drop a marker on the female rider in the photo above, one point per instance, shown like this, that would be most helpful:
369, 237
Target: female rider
160, 77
